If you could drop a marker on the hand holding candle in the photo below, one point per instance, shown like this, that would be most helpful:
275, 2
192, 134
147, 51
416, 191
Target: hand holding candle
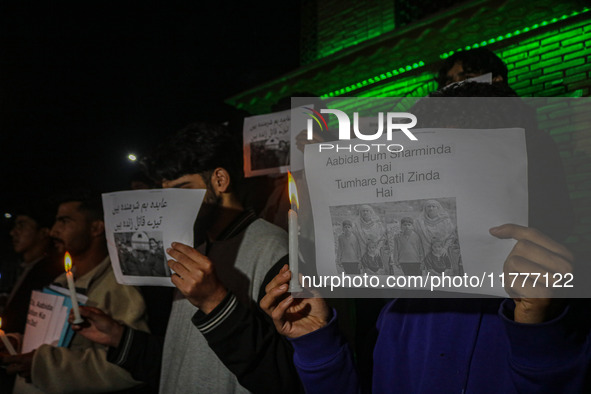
6, 341
70, 277
293, 227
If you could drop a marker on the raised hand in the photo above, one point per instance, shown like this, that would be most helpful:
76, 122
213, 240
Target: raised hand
98, 326
293, 317
19, 364
195, 277
534, 253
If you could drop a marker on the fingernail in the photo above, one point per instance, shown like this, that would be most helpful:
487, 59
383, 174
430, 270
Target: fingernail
493, 230
283, 287
168, 250
286, 274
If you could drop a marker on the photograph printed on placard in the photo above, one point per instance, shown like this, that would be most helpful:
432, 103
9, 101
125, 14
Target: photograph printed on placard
141, 253
397, 238
269, 152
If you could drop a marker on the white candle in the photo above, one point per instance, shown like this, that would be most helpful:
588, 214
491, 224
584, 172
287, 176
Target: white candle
292, 222
70, 277
6, 341
293, 228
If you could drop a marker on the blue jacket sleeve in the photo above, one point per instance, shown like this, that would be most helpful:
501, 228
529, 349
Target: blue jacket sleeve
552, 357
324, 361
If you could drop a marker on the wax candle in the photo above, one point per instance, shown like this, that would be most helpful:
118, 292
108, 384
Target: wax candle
70, 277
293, 227
6, 341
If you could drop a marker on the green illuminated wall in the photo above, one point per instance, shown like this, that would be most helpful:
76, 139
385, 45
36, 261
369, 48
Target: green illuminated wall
540, 65
546, 46
329, 26
555, 63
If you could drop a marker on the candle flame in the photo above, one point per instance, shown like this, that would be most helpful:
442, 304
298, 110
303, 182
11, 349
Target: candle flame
68, 262
292, 190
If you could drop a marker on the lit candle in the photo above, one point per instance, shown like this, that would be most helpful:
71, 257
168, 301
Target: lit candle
293, 227
70, 276
6, 341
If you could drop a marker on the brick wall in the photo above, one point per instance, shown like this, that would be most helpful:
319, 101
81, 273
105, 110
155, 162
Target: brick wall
555, 63
558, 63
339, 24
553, 59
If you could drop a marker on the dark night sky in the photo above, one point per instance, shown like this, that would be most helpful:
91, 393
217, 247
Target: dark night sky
82, 84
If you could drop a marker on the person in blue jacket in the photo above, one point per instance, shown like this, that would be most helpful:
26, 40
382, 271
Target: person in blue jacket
530, 342
522, 345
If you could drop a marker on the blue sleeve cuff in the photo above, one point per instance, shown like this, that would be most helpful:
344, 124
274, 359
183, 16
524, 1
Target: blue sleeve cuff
544, 345
320, 346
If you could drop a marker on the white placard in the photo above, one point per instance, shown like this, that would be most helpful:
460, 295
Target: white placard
266, 141
45, 310
476, 179
140, 225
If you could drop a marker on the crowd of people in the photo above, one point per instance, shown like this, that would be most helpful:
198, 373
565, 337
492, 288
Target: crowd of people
233, 326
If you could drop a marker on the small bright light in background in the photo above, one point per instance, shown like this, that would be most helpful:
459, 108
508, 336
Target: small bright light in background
132, 157
7, 215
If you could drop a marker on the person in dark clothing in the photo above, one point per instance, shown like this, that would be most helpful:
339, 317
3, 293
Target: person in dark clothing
39, 266
40, 263
524, 344
215, 318
469, 64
